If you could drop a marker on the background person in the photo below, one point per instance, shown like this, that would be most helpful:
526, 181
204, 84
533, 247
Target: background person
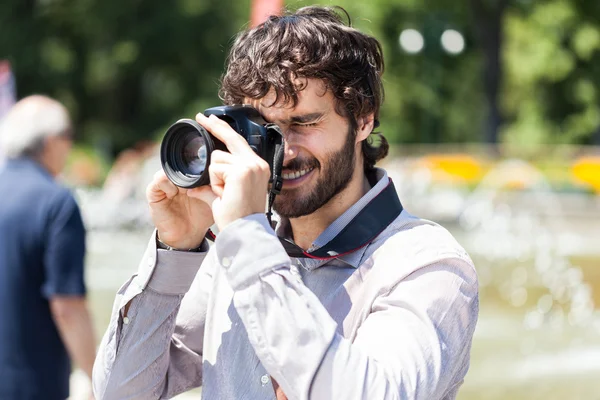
44, 319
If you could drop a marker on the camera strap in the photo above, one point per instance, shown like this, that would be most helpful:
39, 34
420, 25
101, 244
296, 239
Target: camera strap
276, 180
360, 231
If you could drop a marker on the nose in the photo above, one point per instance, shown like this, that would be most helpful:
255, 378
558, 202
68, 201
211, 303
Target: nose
290, 151
291, 148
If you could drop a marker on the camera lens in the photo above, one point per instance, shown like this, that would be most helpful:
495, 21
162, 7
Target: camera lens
185, 154
193, 155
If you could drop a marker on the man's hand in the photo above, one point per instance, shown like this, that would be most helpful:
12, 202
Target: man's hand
239, 179
180, 215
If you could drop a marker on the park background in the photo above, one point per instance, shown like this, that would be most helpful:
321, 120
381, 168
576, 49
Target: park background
492, 109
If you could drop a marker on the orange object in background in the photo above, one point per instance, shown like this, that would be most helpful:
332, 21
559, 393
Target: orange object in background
450, 167
587, 171
261, 9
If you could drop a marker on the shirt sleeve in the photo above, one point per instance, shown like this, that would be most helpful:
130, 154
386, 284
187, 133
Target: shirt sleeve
414, 344
64, 252
154, 350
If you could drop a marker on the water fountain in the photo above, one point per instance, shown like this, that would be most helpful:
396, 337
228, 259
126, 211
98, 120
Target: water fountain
523, 246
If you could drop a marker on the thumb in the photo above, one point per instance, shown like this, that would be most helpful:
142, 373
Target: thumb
203, 193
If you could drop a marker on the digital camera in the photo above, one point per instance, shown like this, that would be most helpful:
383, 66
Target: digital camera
186, 148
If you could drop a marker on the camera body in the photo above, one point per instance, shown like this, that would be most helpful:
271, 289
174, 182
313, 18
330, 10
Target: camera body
186, 147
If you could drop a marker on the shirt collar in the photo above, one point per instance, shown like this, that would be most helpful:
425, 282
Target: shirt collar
353, 259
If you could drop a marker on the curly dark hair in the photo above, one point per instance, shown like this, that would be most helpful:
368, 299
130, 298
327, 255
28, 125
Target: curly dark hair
312, 42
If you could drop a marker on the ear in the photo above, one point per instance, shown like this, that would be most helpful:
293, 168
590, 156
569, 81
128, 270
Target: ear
366, 125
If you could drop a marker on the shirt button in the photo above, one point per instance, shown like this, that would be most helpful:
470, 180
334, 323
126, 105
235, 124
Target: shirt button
264, 379
226, 261
150, 261
126, 321
296, 273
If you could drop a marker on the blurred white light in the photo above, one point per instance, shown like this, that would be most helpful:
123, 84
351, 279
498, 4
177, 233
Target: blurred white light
453, 41
518, 297
411, 41
545, 303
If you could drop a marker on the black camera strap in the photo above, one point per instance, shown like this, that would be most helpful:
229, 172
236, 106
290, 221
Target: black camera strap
360, 231
277, 172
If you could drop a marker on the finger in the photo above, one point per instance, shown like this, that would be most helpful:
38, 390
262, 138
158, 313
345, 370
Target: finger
218, 174
203, 193
222, 157
161, 187
235, 143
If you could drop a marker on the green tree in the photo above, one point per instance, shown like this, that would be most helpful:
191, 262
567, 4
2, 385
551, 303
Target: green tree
126, 69
431, 96
552, 73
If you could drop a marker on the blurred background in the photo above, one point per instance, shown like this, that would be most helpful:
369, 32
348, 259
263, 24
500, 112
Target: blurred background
492, 109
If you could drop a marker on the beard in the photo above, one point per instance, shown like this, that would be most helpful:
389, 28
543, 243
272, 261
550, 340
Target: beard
335, 176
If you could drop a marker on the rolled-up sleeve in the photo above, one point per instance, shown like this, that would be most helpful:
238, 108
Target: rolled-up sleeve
142, 354
414, 343
64, 252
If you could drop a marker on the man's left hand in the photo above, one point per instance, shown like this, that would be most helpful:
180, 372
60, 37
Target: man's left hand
239, 179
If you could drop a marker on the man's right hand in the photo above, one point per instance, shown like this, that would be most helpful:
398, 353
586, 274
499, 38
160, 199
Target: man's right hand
181, 220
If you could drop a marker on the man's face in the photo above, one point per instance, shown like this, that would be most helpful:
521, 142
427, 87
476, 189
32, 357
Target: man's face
320, 154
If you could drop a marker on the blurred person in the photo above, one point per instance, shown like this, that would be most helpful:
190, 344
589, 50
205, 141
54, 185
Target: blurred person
391, 319
7, 92
44, 319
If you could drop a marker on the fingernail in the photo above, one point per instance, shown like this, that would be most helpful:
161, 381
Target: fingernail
200, 116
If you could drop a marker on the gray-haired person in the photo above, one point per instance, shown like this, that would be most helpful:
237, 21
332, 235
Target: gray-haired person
44, 319
265, 313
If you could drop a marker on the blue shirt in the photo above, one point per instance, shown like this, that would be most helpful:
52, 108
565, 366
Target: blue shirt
42, 248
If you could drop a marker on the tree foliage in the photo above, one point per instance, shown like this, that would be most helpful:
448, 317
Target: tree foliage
552, 72
127, 69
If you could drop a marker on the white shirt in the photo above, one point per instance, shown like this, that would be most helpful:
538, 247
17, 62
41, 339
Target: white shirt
393, 320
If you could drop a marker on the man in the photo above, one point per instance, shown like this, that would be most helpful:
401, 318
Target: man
43, 314
390, 320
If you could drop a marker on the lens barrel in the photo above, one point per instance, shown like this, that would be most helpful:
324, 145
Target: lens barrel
186, 148
185, 153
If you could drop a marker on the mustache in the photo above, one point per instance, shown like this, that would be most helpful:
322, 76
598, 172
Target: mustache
300, 164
